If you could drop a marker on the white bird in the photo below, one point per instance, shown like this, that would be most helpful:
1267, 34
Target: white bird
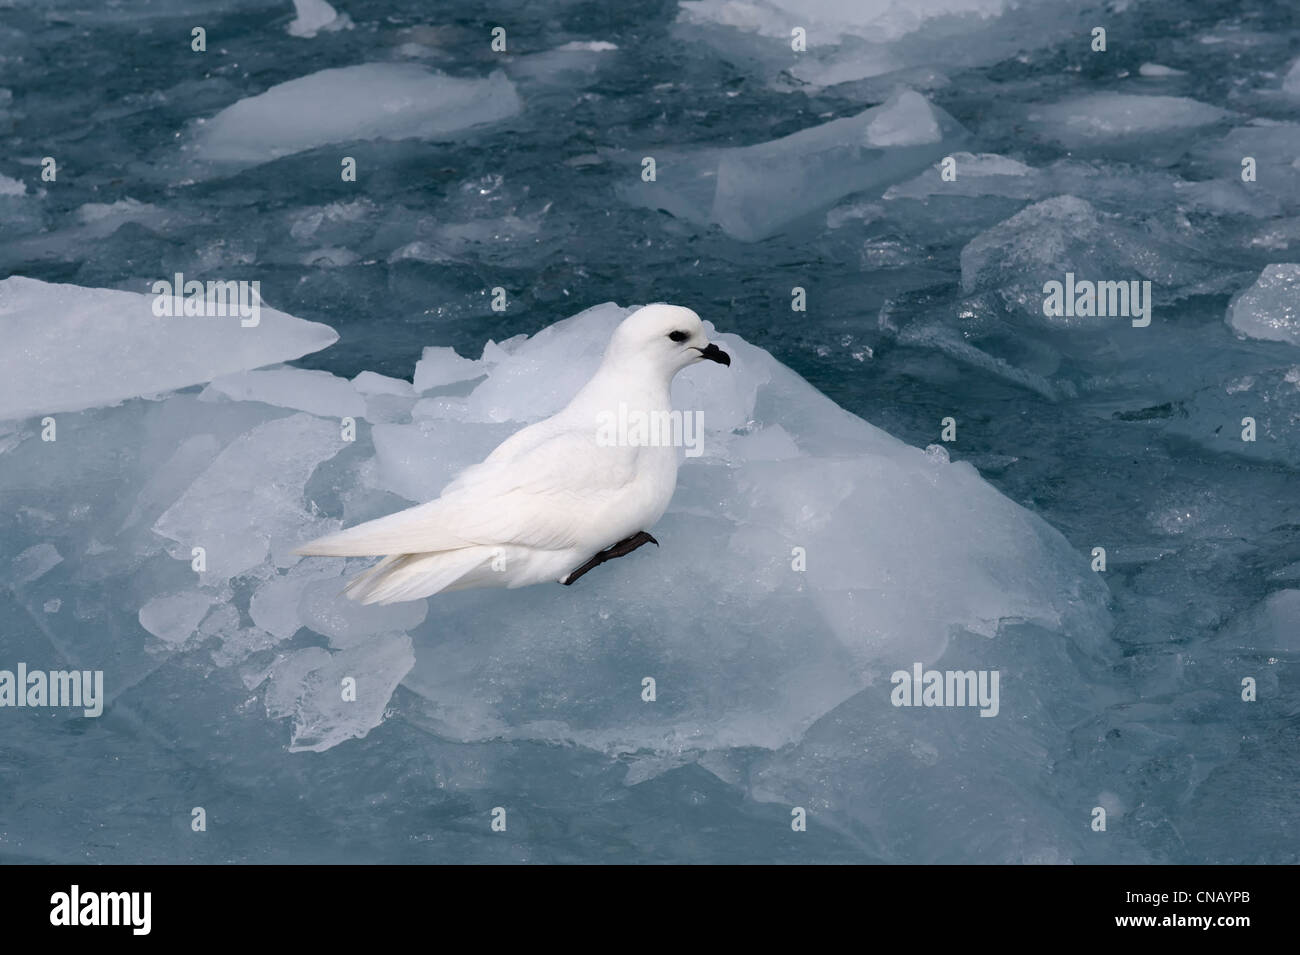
556, 498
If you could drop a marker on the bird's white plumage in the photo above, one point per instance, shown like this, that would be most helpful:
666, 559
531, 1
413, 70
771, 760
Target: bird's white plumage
551, 495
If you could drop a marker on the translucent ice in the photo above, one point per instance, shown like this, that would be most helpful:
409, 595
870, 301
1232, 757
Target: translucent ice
312, 16
442, 366
251, 494
849, 40
307, 685
1105, 117
1270, 309
318, 392
34, 562
1291, 84
371, 101
798, 519
755, 191
85, 347
1046, 240
173, 618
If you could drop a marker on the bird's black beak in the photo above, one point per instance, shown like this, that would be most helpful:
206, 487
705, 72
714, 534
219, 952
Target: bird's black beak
714, 353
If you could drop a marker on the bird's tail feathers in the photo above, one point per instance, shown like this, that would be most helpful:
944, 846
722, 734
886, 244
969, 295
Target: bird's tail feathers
412, 576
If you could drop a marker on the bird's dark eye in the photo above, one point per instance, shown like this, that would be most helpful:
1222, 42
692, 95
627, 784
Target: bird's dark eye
679, 336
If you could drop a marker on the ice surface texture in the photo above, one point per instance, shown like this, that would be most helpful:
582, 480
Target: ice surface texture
753, 191
85, 347
371, 101
909, 558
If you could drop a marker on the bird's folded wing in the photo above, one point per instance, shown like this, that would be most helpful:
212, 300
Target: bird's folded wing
540, 497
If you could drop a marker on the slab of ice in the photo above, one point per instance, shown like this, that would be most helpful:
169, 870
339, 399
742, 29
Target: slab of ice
313, 16
833, 552
1046, 240
317, 392
1270, 309
1273, 626
1104, 117
1291, 82
251, 495
274, 607
849, 40
565, 63
174, 618
442, 366
372, 101
308, 685
34, 562
323, 608
755, 191
839, 533
11, 187
85, 347
370, 383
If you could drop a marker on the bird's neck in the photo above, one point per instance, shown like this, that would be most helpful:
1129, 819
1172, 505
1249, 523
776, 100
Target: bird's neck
615, 383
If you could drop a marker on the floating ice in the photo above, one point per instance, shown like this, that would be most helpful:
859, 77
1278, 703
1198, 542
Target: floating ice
174, 618
318, 392
832, 554
251, 496
86, 347
826, 527
307, 685
323, 608
1046, 240
369, 383
1106, 117
1291, 83
1155, 69
312, 16
372, 101
34, 562
755, 191
1270, 309
442, 366
848, 40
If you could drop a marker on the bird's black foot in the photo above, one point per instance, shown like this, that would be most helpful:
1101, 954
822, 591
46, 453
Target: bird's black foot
620, 549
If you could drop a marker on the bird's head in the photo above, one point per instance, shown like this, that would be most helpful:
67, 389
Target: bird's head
665, 337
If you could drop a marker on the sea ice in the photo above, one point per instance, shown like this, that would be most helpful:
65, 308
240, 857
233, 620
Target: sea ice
313, 16
1044, 241
308, 685
807, 555
251, 495
1109, 117
755, 191
173, 618
85, 347
317, 392
371, 101
1270, 309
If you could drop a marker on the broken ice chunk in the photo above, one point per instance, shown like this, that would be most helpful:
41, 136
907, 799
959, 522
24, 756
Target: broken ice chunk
1270, 309
337, 696
317, 392
89, 347
251, 494
174, 618
389, 101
